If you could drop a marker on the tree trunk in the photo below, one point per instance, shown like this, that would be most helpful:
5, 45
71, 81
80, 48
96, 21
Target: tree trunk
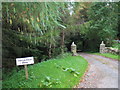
50, 48
62, 41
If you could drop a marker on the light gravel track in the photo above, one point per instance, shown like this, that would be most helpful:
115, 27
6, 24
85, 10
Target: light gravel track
102, 72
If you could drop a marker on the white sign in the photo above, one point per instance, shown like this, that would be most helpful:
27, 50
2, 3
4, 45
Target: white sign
24, 61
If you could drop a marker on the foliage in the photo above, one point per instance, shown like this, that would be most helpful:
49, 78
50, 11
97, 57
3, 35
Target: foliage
116, 44
41, 76
14, 46
46, 29
48, 82
91, 24
71, 70
103, 25
31, 31
40, 19
40, 26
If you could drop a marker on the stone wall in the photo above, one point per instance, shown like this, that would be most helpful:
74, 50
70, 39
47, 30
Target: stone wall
112, 50
104, 49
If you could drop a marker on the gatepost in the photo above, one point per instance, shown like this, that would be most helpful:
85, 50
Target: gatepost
73, 49
102, 47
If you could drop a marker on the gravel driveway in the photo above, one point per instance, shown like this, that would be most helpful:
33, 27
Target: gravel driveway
102, 73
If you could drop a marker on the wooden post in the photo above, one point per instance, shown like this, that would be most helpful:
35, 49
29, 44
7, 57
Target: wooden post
26, 72
25, 61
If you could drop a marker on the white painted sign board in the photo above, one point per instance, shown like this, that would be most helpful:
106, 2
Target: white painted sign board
24, 61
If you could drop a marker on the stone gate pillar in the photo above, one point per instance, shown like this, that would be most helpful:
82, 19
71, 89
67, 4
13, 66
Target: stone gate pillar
73, 49
102, 47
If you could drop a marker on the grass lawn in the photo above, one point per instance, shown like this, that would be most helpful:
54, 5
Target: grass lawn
65, 71
109, 55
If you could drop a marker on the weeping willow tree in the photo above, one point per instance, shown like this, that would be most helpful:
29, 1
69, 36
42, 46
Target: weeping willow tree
33, 26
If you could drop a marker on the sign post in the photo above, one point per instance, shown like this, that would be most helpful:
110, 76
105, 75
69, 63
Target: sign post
25, 61
26, 71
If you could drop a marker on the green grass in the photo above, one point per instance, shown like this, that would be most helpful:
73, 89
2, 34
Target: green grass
62, 72
109, 55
